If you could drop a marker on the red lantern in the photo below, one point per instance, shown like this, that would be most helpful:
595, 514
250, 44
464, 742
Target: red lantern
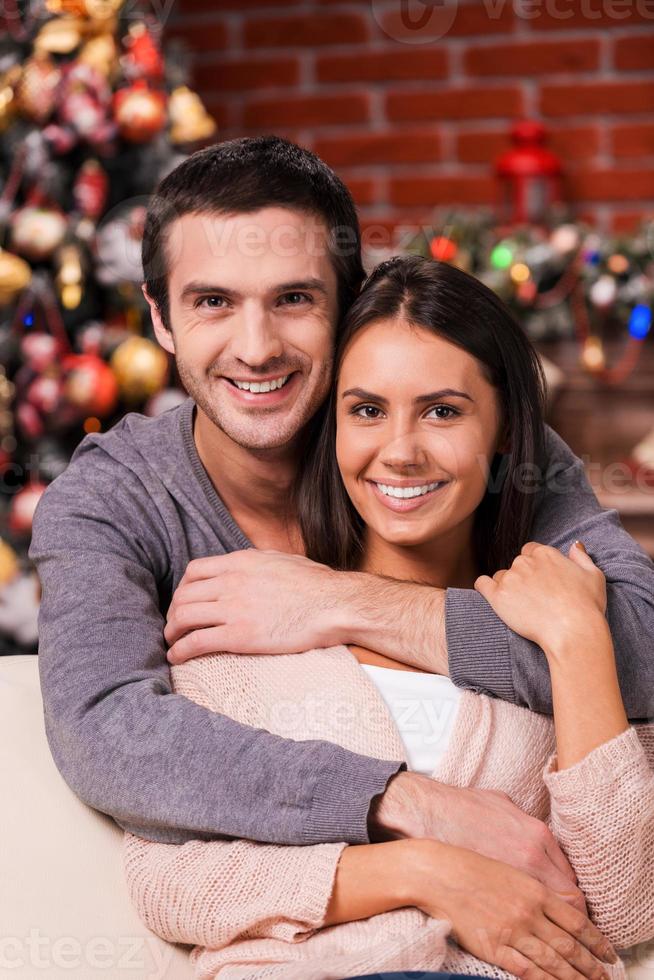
529, 176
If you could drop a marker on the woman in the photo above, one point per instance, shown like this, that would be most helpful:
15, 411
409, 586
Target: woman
424, 470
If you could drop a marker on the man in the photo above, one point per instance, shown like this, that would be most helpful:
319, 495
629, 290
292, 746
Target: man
251, 255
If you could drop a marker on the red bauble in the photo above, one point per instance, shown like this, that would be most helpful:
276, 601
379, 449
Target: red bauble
89, 384
91, 189
143, 58
140, 112
21, 511
40, 350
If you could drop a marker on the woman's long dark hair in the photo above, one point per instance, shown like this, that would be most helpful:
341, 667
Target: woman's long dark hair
459, 308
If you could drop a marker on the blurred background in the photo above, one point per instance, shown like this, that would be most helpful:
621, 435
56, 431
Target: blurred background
514, 138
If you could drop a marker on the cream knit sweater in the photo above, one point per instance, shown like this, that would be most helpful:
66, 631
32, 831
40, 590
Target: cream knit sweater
254, 911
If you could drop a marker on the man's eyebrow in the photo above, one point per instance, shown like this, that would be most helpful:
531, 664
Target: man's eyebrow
198, 288
204, 288
431, 397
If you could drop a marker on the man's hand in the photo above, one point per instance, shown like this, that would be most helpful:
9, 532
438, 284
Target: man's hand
485, 821
270, 602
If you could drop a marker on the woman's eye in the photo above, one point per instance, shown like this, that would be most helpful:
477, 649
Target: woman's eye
366, 412
443, 411
294, 299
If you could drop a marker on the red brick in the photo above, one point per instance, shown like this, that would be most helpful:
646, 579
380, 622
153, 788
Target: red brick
634, 53
221, 112
310, 30
565, 15
536, 58
610, 185
315, 110
200, 37
460, 103
633, 141
246, 74
382, 66
363, 191
411, 146
574, 143
627, 222
598, 97
432, 191
466, 19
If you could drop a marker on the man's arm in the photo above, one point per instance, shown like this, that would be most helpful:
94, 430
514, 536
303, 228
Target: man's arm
162, 766
276, 603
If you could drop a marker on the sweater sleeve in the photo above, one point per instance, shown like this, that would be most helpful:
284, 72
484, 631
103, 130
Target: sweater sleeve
210, 893
484, 655
163, 767
602, 813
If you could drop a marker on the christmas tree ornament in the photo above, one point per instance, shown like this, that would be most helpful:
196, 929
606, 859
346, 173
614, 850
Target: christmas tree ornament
70, 276
89, 384
190, 121
618, 264
118, 248
36, 231
140, 112
142, 58
36, 93
40, 351
603, 292
592, 355
9, 80
23, 505
101, 54
529, 176
85, 105
8, 563
90, 189
60, 36
565, 239
141, 368
443, 249
15, 275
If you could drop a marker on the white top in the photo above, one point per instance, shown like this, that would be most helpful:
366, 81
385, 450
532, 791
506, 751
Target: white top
423, 707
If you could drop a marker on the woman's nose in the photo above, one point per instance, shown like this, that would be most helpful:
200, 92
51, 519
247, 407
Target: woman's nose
403, 451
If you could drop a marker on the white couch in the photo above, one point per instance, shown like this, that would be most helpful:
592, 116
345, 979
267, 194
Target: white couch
64, 909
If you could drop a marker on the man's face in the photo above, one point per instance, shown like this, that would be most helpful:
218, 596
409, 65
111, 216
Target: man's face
253, 308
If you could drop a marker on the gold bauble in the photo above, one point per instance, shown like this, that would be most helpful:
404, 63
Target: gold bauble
8, 563
190, 121
8, 84
100, 53
15, 274
141, 368
60, 36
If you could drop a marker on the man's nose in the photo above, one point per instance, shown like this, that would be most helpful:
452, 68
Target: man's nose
256, 341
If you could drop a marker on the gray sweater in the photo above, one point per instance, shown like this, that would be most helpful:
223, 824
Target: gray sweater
112, 538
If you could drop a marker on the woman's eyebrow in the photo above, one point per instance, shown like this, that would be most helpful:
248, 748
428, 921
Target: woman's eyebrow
419, 400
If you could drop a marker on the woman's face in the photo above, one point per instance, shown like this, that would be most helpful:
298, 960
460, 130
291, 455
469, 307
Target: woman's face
417, 427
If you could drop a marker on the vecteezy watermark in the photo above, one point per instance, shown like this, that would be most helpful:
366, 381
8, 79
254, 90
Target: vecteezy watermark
415, 21
146, 954
425, 21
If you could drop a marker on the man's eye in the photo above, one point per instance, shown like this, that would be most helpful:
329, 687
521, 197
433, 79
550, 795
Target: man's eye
212, 302
366, 412
443, 411
294, 299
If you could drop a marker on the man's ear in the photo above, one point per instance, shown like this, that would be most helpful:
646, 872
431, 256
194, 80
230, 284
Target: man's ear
163, 335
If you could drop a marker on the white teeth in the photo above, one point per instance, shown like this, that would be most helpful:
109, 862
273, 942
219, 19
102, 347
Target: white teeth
262, 386
402, 492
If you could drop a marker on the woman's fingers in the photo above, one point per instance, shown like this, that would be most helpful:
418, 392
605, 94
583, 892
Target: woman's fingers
521, 966
573, 952
578, 925
557, 964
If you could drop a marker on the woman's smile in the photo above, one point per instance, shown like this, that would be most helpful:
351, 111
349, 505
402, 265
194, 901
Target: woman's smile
406, 496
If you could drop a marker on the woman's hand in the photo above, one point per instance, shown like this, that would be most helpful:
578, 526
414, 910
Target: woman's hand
506, 917
544, 595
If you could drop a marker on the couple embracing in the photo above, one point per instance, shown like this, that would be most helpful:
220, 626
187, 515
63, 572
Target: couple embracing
405, 725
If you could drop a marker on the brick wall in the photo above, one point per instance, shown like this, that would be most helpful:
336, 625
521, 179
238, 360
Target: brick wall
411, 120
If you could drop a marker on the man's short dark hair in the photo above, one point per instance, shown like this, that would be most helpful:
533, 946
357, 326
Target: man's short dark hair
242, 176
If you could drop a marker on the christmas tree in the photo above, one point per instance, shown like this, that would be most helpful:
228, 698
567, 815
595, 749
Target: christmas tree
92, 114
